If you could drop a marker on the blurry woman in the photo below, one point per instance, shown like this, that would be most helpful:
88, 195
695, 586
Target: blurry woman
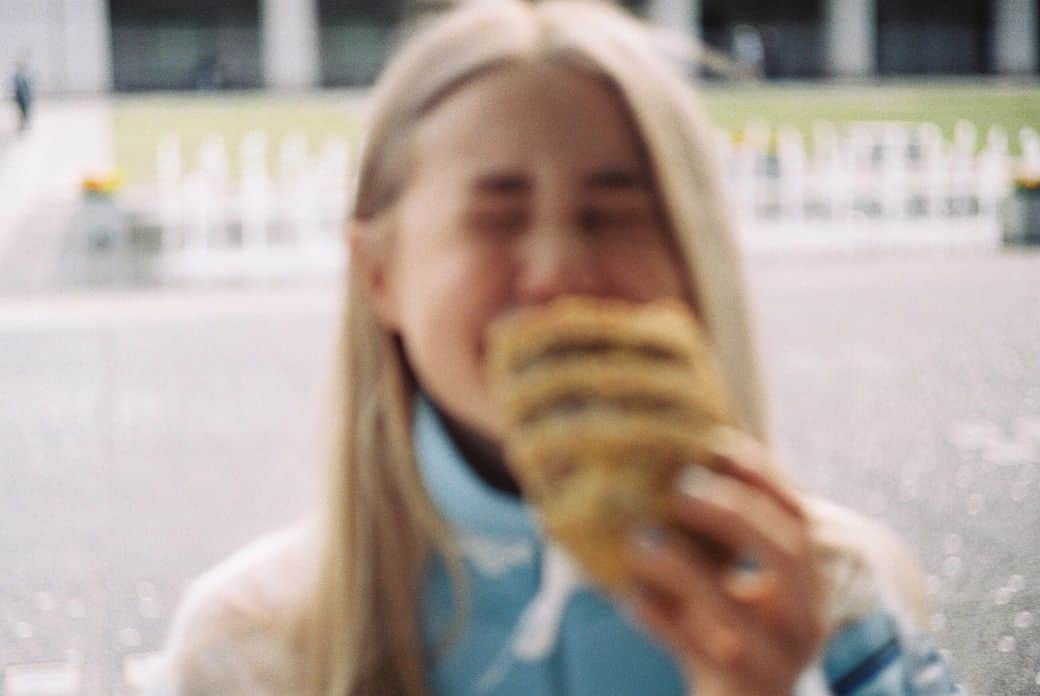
518, 153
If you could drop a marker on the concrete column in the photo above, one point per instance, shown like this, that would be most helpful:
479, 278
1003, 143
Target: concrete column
850, 30
680, 15
290, 39
23, 35
66, 43
85, 32
1014, 45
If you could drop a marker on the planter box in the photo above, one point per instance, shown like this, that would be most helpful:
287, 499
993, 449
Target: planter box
1021, 219
98, 223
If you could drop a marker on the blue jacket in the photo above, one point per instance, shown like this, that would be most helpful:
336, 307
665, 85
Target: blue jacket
596, 652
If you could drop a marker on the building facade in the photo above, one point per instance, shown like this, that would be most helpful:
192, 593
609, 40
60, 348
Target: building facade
76, 46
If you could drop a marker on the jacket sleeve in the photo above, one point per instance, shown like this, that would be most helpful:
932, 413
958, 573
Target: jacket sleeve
871, 657
203, 655
230, 634
880, 647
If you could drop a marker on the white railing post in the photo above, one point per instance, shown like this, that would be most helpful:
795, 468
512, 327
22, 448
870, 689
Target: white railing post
869, 184
168, 183
255, 191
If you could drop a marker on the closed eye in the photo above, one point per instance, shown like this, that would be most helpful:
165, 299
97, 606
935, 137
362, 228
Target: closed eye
505, 221
606, 219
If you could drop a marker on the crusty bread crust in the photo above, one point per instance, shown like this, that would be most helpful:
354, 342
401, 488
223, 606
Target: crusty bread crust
666, 325
619, 378
604, 404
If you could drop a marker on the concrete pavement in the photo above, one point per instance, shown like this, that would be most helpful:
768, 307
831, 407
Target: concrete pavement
145, 436
43, 168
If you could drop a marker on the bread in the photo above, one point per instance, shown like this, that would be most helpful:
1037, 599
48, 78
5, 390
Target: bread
603, 404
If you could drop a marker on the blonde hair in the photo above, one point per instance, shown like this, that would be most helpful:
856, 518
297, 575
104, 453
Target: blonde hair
362, 626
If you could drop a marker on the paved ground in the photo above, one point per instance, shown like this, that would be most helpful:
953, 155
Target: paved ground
145, 436
44, 167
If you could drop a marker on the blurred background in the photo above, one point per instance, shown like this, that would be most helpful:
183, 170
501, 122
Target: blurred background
173, 180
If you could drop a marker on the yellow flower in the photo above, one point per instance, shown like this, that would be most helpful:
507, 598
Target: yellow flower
107, 182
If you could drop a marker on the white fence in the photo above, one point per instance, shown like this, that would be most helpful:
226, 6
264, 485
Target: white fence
263, 224
863, 185
871, 184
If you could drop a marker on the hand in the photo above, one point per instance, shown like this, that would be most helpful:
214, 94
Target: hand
733, 588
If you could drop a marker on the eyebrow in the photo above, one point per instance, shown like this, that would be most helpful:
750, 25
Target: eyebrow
616, 179
517, 183
503, 183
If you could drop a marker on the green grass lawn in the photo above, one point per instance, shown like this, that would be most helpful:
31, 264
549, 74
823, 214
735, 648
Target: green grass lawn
139, 122
944, 105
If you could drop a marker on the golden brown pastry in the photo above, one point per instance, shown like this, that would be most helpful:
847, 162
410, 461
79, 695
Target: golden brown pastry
603, 403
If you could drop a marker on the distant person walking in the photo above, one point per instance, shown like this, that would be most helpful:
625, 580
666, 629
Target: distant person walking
22, 95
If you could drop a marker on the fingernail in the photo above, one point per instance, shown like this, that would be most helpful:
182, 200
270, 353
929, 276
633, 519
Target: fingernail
648, 539
695, 481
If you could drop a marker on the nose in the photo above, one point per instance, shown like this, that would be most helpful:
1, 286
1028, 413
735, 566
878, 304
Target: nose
556, 262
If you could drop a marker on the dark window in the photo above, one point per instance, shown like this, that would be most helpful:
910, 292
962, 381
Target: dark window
790, 32
185, 44
636, 6
933, 37
356, 38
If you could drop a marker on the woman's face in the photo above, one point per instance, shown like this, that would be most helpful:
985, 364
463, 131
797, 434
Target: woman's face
528, 184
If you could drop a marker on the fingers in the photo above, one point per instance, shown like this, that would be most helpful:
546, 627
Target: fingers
716, 645
679, 590
673, 570
680, 600
744, 458
750, 514
744, 518
757, 622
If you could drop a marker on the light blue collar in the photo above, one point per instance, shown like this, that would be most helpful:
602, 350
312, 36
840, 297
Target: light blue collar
463, 498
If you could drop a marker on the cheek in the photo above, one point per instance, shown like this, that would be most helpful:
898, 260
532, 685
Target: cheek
645, 272
442, 281
446, 303
452, 303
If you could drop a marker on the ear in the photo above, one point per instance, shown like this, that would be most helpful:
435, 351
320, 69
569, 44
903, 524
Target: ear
372, 252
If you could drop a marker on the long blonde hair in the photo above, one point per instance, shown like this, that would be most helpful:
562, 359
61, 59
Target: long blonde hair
379, 525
